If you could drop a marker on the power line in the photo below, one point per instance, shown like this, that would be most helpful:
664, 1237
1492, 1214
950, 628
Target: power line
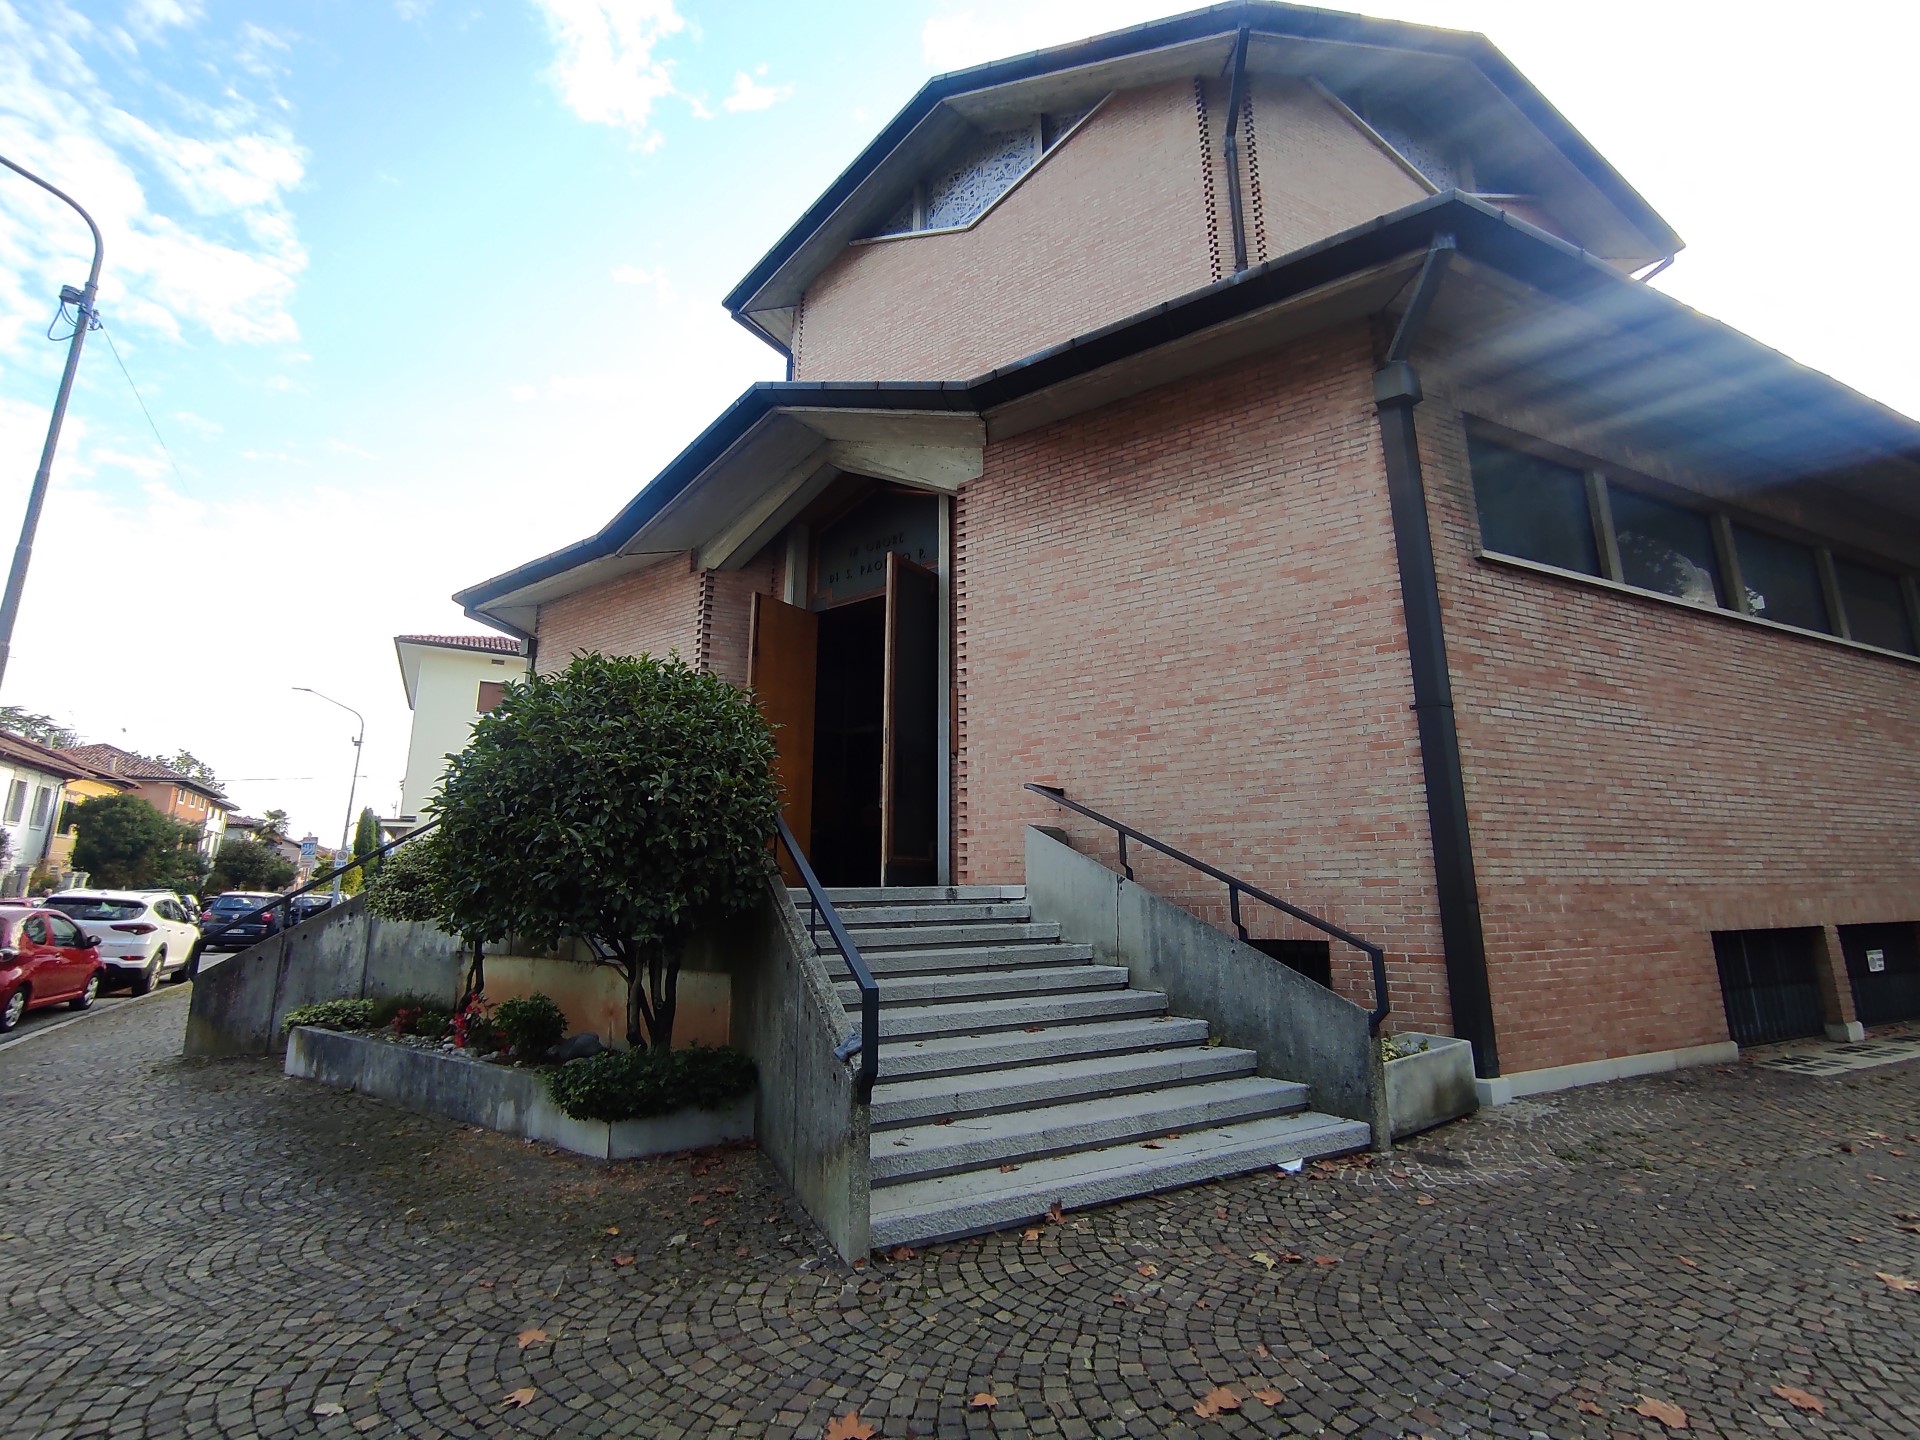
142, 403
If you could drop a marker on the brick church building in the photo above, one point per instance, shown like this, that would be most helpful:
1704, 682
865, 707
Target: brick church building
1255, 424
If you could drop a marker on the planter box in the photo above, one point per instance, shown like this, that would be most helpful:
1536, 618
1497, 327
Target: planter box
499, 1097
1431, 1086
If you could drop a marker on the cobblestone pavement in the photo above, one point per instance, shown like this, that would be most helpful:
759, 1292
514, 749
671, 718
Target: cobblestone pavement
212, 1249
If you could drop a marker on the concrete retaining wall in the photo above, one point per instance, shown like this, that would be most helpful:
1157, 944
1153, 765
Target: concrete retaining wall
342, 953
499, 1097
787, 1015
1300, 1030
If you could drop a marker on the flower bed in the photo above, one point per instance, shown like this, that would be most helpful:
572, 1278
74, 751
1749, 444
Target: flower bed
515, 1100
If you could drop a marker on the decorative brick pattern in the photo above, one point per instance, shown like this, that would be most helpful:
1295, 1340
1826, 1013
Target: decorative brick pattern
1208, 199
1256, 197
1212, 651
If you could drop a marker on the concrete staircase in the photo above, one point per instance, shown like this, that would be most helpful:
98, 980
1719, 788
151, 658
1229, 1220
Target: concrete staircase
1016, 1073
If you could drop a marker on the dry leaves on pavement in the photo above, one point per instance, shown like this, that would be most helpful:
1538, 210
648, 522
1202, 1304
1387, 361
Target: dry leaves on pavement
1055, 1213
1269, 1397
1217, 1401
1671, 1416
848, 1427
1801, 1399
329, 1407
985, 1400
1898, 1282
532, 1337
518, 1399
623, 1260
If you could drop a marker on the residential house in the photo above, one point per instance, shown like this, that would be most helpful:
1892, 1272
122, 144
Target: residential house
451, 681
1255, 427
36, 782
179, 797
250, 827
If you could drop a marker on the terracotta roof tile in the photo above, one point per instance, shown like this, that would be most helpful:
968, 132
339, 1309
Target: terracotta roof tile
498, 644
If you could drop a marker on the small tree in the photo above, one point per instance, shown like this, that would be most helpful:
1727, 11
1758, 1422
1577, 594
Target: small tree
43, 728
273, 827
249, 865
623, 801
122, 841
366, 840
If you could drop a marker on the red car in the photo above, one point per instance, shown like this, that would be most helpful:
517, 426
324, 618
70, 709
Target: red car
44, 959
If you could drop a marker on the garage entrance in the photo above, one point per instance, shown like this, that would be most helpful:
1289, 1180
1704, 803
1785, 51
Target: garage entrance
1770, 982
1883, 966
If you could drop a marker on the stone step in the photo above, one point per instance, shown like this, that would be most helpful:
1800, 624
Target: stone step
981, 1017
972, 1201
952, 961
842, 896
938, 1055
903, 1102
942, 937
985, 984
925, 1149
864, 917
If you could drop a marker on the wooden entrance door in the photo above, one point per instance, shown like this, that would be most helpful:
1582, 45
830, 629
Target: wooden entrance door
909, 768
782, 666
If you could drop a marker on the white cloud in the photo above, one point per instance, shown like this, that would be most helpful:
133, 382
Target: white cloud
150, 17
411, 10
606, 69
750, 94
190, 198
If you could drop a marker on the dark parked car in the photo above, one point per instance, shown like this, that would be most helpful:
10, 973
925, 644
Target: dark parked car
45, 959
305, 907
223, 927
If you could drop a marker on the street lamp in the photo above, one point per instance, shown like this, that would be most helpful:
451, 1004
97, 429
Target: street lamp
346, 830
82, 300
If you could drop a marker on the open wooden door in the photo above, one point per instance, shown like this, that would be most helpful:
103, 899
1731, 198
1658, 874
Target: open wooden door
781, 668
910, 772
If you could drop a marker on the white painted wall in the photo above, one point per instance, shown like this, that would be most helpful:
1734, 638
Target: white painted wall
29, 841
445, 705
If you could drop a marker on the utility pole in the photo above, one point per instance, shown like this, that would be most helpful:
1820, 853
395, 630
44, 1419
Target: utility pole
353, 785
83, 301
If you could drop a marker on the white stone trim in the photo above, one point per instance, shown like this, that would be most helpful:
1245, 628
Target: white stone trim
1598, 1072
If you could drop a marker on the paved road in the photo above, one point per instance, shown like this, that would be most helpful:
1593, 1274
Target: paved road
211, 1249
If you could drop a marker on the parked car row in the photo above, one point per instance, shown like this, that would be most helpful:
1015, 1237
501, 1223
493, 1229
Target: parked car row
69, 947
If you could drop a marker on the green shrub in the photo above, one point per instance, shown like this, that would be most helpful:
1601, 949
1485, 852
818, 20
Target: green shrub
633, 1084
531, 1026
333, 1015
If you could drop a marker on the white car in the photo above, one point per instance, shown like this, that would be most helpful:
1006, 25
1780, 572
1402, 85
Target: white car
145, 935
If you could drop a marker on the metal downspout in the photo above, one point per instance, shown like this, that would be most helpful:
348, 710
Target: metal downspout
1396, 391
1236, 95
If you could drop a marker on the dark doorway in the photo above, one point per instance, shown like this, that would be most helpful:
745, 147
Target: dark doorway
909, 815
1311, 958
1770, 982
848, 738
1883, 965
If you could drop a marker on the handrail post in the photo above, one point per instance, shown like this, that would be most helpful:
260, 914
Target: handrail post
868, 1044
1233, 907
1124, 866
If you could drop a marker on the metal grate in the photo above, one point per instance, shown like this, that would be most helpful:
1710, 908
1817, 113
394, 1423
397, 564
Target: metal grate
1770, 982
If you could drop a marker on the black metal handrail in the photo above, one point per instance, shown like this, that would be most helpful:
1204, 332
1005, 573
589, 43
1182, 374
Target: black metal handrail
865, 1044
1237, 887
283, 903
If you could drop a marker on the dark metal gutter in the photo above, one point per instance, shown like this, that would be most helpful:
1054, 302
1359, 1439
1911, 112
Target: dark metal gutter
1396, 390
1236, 102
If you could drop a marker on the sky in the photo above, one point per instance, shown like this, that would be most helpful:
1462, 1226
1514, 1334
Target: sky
416, 290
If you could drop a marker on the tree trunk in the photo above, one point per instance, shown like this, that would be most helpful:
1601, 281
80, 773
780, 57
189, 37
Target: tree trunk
665, 1007
476, 975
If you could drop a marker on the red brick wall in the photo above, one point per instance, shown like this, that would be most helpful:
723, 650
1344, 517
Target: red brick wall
1640, 774
706, 616
1109, 223
1184, 609
654, 612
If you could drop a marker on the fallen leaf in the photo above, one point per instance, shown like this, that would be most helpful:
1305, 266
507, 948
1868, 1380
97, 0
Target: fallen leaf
483, 1284
1689, 1263
1907, 1215
1269, 1397
709, 1222
1173, 1135
1292, 1257
1218, 1401
1055, 1213
1262, 1351
1147, 1269
1901, 1153
1008, 1169
1326, 1259
902, 1252
1898, 1282
372, 1422
1587, 1407
674, 1242
728, 1189
518, 1399
1033, 1029
613, 1230
1150, 1145
329, 1407
1031, 1235
697, 1199
1261, 1257
947, 1121
1854, 1239
1801, 1399
985, 1400
1671, 1416
1910, 1229
848, 1427
1424, 1200
1220, 1212
532, 1337
623, 1260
